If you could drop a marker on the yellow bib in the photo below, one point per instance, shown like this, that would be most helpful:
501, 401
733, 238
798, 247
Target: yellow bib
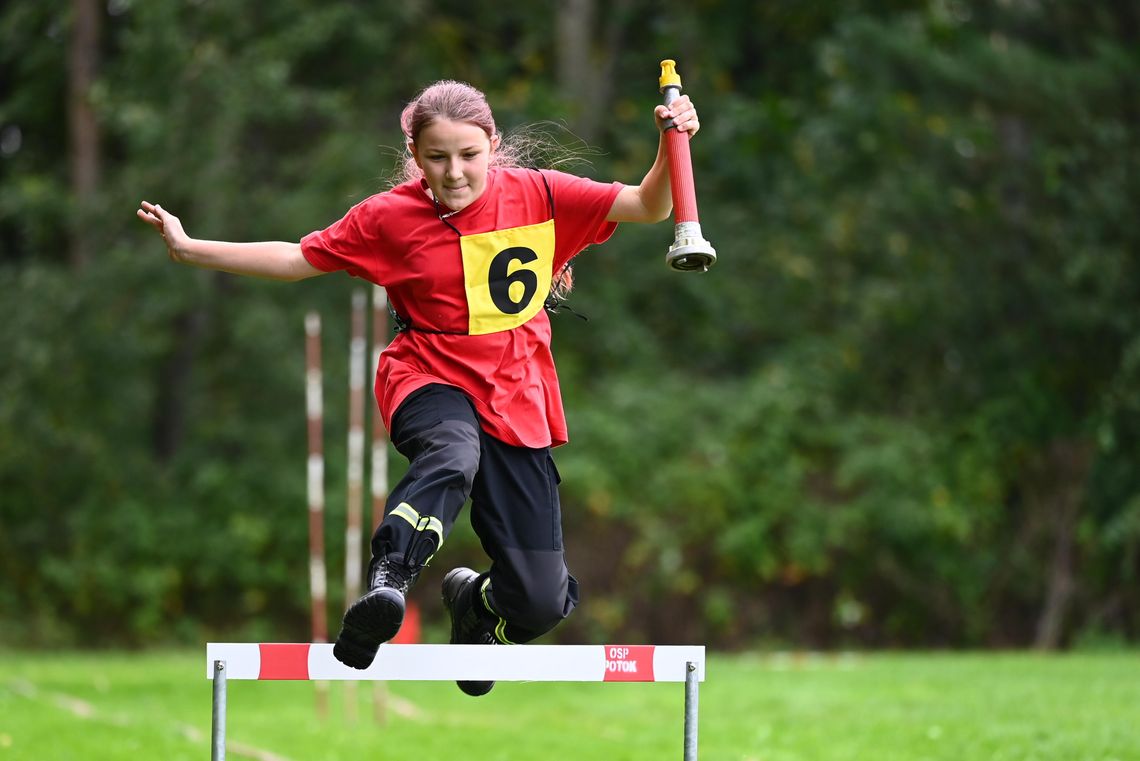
507, 275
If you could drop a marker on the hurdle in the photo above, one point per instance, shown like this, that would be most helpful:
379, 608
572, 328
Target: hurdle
504, 663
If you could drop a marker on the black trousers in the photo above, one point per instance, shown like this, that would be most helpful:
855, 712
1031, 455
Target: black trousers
515, 510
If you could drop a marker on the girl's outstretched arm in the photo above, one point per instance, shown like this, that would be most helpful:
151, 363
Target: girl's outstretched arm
276, 260
651, 201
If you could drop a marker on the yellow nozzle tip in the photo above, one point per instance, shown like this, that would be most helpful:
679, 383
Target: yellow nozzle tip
669, 76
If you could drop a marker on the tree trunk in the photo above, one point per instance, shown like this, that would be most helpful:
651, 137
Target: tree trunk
587, 61
1058, 492
83, 126
168, 419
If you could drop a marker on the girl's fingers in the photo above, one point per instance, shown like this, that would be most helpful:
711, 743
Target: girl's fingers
153, 209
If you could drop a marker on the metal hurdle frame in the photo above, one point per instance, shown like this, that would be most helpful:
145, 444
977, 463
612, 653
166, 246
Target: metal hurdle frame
506, 663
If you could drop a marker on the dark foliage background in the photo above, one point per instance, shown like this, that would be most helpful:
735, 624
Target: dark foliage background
902, 410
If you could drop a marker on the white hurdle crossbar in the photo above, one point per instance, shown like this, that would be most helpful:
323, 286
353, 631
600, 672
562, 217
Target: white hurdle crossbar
505, 663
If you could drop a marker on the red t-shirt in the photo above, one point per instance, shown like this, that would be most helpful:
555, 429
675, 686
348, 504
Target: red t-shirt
481, 281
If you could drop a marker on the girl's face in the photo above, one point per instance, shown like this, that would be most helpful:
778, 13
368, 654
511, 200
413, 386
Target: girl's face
454, 157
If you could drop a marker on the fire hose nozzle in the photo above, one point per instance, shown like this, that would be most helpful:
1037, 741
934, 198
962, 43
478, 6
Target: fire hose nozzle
690, 251
669, 76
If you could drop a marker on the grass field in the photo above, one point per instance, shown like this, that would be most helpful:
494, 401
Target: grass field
771, 707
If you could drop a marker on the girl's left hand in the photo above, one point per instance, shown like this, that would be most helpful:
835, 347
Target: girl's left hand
683, 114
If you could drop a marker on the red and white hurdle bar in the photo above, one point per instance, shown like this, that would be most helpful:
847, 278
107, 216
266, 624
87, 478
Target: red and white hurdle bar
505, 663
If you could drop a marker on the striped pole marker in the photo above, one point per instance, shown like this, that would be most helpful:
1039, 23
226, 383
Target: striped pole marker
379, 470
354, 508
355, 486
379, 435
506, 663
314, 413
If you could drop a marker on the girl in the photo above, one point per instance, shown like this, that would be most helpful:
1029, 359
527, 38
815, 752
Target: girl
470, 248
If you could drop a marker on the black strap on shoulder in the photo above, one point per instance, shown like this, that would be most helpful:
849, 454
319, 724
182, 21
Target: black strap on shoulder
549, 194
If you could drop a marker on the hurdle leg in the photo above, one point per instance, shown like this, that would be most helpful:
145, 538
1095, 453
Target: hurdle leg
691, 699
218, 729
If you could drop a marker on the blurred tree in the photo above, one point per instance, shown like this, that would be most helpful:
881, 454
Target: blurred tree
902, 408
916, 231
83, 66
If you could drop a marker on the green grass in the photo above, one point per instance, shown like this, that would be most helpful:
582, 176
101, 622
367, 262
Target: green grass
888, 707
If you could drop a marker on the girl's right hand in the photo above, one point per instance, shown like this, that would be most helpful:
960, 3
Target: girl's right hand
682, 112
168, 226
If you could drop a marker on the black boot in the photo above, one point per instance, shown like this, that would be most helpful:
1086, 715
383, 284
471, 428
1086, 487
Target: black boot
460, 597
376, 617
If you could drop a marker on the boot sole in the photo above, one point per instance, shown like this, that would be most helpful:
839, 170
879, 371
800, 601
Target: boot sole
456, 580
370, 622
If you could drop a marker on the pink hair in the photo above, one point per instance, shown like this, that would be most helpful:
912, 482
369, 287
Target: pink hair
453, 101
447, 99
